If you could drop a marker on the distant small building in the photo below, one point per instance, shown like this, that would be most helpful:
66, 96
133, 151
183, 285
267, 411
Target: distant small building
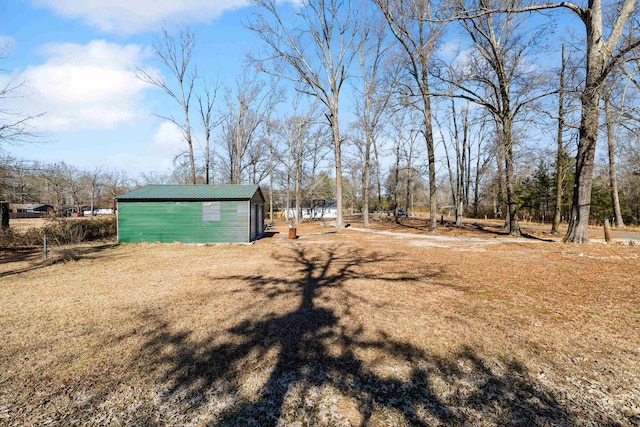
191, 214
320, 209
97, 211
29, 210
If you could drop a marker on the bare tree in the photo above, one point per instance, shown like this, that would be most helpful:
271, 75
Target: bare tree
319, 148
630, 172
404, 175
249, 105
15, 127
618, 103
458, 175
274, 156
608, 43
482, 159
298, 131
611, 145
603, 54
602, 57
174, 54
312, 46
91, 182
155, 178
497, 76
560, 151
209, 122
378, 172
56, 188
20, 180
75, 187
415, 26
373, 98
115, 183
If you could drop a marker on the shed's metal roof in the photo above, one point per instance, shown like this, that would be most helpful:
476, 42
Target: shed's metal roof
191, 192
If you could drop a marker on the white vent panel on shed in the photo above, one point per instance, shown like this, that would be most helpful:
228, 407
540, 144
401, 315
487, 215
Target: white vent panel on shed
210, 211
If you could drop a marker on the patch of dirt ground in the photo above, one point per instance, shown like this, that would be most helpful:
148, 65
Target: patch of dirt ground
333, 328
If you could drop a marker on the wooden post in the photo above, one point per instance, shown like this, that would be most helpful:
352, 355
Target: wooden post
607, 231
4, 207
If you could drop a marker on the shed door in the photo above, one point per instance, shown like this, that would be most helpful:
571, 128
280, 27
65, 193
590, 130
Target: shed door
254, 222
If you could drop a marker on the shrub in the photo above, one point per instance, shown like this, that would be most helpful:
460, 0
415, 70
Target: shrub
62, 232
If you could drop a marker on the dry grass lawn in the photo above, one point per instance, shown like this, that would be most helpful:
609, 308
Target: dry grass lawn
24, 224
348, 328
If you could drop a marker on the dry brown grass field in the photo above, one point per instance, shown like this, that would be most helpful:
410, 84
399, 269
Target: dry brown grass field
23, 224
350, 328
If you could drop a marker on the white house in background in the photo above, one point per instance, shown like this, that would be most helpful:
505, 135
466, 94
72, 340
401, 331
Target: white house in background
102, 211
322, 209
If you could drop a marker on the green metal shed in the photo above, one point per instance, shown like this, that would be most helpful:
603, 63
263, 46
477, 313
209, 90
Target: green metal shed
191, 214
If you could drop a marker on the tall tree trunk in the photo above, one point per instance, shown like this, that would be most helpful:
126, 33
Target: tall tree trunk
476, 184
581, 205
288, 209
455, 180
452, 185
298, 189
502, 211
207, 154
235, 179
337, 147
597, 53
187, 133
270, 180
407, 194
461, 154
467, 185
378, 177
397, 182
514, 227
580, 208
207, 166
366, 180
366, 173
560, 151
428, 136
192, 162
93, 196
613, 181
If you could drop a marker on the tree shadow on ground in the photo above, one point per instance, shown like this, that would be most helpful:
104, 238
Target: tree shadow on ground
55, 255
304, 366
448, 225
540, 239
17, 254
269, 234
491, 229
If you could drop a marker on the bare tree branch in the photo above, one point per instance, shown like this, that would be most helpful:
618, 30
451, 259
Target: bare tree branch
175, 56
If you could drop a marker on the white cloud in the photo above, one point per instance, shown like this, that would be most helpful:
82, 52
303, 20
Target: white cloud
450, 48
89, 86
169, 139
157, 154
134, 16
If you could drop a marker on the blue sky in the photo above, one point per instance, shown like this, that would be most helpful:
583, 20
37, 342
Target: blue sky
78, 60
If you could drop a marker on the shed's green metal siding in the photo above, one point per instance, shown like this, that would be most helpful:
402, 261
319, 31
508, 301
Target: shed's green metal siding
181, 222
